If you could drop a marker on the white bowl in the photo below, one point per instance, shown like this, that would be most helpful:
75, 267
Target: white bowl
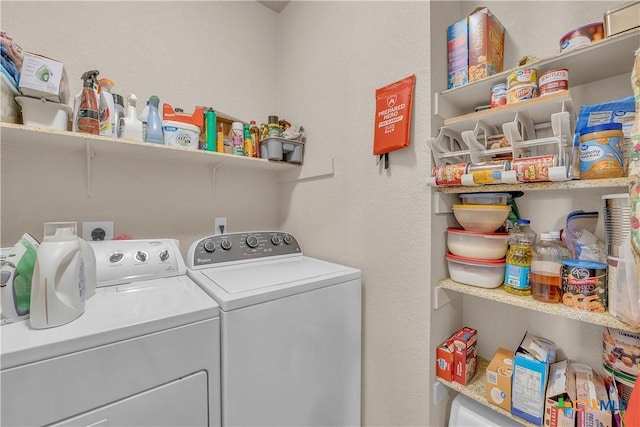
44, 114
476, 272
472, 244
481, 218
484, 198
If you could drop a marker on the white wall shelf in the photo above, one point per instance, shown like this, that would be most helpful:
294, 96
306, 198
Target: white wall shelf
559, 309
476, 390
610, 57
17, 134
540, 186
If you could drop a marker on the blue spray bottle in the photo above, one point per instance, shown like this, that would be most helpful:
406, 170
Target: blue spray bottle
154, 123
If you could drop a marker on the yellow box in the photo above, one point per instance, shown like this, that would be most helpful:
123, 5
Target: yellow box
498, 380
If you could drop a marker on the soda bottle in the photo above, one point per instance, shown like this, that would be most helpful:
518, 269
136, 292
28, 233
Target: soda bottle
519, 254
546, 265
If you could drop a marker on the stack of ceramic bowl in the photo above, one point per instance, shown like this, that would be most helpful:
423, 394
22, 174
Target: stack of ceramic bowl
476, 251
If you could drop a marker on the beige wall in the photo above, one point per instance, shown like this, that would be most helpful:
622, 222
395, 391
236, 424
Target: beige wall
317, 63
333, 57
187, 53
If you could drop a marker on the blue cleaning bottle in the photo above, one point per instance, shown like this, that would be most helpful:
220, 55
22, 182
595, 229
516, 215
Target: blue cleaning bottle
154, 123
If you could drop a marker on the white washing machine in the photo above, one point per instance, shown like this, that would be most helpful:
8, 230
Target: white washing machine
290, 327
144, 353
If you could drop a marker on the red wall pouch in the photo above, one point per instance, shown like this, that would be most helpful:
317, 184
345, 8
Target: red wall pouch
393, 117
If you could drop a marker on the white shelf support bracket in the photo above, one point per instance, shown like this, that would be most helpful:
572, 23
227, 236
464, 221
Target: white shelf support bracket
440, 391
89, 154
442, 297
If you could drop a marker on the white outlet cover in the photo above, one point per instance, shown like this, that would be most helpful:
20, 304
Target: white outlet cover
89, 226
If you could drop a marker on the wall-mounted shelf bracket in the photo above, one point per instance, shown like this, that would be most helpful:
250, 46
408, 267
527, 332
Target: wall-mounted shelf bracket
89, 154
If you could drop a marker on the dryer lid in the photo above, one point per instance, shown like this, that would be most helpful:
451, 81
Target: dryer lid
240, 285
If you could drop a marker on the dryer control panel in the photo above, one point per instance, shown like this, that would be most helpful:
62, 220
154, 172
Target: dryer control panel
241, 246
125, 261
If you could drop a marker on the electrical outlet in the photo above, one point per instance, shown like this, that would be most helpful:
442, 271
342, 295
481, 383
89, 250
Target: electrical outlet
97, 230
220, 226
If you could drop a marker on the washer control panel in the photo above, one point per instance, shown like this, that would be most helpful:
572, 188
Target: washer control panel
123, 261
241, 246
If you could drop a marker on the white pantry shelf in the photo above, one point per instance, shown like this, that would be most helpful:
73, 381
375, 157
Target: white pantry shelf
559, 309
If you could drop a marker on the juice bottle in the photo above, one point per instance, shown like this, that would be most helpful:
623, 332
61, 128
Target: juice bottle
546, 265
519, 254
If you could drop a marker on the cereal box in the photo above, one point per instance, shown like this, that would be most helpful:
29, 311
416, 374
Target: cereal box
444, 360
464, 355
486, 45
458, 53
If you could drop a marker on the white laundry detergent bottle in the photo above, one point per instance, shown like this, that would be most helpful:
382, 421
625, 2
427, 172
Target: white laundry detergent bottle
60, 282
16, 272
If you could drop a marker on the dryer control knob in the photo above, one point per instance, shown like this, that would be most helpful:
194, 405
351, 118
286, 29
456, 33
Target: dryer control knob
209, 245
288, 239
276, 240
141, 256
226, 244
116, 257
252, 241
164, 255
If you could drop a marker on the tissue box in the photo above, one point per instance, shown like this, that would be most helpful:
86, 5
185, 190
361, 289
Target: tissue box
531, 368
43, 77
561, 395
498, 381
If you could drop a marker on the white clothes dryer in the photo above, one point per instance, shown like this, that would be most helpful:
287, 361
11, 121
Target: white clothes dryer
144, 353
290, 328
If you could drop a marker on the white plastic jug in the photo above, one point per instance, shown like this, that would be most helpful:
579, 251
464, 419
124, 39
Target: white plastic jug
60, 281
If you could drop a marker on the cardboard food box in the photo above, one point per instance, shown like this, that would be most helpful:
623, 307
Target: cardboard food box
465, 359
592, 400
531, 369
561, 395
498, 380
444, 360
458, 54
43, 77
486, 44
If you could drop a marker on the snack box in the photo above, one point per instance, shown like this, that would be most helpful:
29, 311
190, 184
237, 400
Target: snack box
531, 369
465, 355
559, 408
458, 54
592, 400
486, 44
444, 360
43, 77
498, 380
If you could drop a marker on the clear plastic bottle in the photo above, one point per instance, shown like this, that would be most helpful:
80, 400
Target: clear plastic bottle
546, 278
519, 254
154, 123
144, 115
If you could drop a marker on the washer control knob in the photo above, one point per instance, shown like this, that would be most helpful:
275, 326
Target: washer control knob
142, 256
225, 244
252, 241
116, 257
288, 239
276, 240
209, 245
164, 255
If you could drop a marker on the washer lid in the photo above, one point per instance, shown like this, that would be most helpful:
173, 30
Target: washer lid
241, 285
113, 314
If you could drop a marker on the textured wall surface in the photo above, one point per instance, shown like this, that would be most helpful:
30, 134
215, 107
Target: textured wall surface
187, 53
333, 57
